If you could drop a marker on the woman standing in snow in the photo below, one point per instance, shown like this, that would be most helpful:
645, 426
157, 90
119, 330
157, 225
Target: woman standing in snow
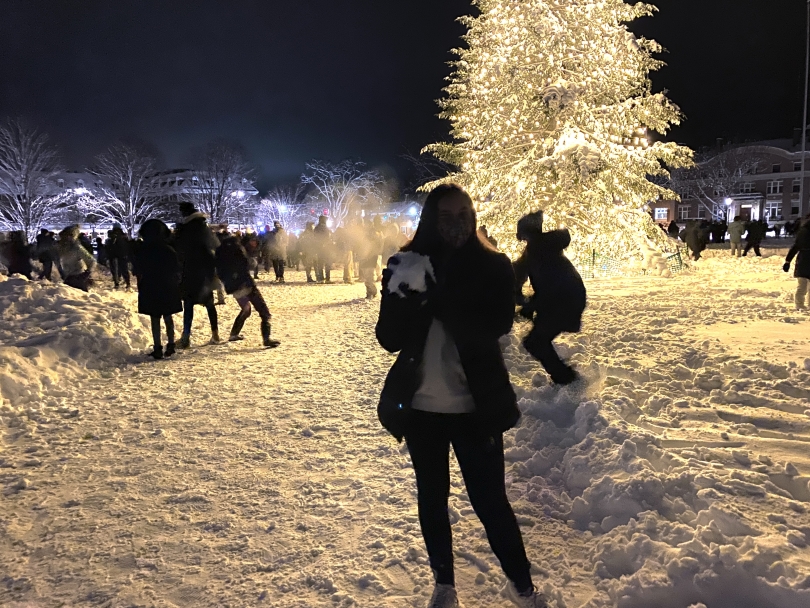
801, 251
158, 273
449, 384
75, 263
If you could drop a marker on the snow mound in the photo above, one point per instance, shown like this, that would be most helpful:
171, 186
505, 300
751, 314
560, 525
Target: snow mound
52, 335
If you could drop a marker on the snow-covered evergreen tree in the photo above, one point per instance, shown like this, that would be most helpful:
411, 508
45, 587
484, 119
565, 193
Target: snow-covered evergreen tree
550, 105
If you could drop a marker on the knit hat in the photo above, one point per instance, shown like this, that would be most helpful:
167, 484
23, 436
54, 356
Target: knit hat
187, 209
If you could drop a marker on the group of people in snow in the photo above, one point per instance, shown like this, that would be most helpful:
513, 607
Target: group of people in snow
448, 297
697, 235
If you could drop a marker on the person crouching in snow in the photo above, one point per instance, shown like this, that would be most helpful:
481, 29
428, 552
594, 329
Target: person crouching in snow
233, 270
75, 263
559, 294
801, 251
449, 384
158, 272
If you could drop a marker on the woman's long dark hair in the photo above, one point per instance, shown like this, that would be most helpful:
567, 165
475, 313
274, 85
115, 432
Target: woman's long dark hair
427, 240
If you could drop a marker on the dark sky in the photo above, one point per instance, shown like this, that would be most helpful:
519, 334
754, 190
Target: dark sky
298, 79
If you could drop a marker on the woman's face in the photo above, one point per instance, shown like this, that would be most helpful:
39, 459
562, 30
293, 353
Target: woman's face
456, 219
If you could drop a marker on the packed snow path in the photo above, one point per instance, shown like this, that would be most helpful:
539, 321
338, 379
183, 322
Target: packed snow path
235, 476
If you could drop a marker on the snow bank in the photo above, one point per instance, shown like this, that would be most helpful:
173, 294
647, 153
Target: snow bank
52, 335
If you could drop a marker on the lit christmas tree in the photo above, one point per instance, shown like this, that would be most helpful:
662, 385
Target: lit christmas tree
550, 105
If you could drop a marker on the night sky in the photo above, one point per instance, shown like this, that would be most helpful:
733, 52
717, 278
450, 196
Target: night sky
302, 79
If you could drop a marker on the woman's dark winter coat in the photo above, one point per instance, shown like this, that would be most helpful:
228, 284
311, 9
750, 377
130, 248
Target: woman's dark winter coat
17, 256
195, 245
559, 294
801, 251
475, 300
233, 267
158, 272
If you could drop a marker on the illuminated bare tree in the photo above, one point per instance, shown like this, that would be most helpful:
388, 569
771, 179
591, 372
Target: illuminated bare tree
282, 204
716, 177
338, 186
28, 169
224, 182
125, 190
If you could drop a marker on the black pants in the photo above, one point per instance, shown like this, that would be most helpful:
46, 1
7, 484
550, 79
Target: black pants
120, 270
188, 316
482, 466
278, 267
169, 321
749, 246
253, 298
47, 268
323, 268
539, 344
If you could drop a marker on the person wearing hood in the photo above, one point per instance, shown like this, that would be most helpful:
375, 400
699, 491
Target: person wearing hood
695, 238
75, 263
801, 252
158, 272
449, 384
195, 244
673, 230
234, 272
559, 294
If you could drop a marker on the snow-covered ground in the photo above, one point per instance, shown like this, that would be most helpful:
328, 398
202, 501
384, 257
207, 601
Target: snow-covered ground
234, 476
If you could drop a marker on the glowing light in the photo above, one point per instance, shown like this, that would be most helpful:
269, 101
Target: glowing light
282, 208
413, 211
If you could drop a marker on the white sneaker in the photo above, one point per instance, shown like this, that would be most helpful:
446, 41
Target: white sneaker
535, 600
444, 596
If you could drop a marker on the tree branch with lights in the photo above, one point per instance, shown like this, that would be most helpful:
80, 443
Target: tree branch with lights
551, 106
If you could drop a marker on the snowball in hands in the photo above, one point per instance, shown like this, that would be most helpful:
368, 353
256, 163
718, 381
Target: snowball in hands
411, 271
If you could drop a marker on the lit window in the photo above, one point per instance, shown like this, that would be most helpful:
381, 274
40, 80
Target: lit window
773, 209
661, 213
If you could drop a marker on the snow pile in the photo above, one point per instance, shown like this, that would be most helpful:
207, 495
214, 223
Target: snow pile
51, 335
410, 270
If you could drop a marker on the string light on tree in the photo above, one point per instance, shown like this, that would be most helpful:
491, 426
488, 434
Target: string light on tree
551, 107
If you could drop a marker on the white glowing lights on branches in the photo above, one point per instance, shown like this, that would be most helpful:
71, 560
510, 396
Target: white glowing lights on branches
551, 105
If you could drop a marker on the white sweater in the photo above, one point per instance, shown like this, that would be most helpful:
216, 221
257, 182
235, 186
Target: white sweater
444, 388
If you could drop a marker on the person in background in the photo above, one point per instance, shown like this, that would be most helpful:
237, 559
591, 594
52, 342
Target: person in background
195, 244
118, 253
278, 250
293, 256
736, 229
450, 386
369, 251
101, 251
75, 263
673, 230
559, 294
308, 248
801, 252
345, 251
756, 234
695, 238
234, 272
323, 249
46, 252
16, 255
485, 233
158, 272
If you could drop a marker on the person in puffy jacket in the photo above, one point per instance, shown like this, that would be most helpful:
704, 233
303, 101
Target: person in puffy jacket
75, 263
736, 229
559, 294
158, 272
16, 255
449, 384
233, 269
801, 252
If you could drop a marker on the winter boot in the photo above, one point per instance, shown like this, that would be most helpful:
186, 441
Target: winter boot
235, 338
532, 600
266, 340
170, 350
444, 596
215, 337
184, 342
157, 353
